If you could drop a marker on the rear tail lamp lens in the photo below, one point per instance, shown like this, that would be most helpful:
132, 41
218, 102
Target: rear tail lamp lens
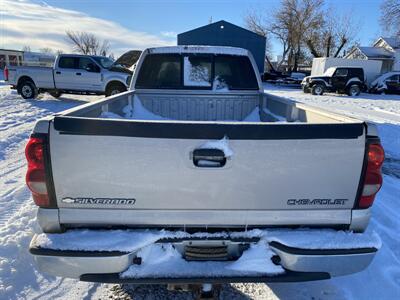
376, 155
373, 175
36, 175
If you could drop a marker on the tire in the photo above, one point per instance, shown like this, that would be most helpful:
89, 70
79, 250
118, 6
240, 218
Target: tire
318, 89
354, 90
28, 90
55, 93
115, 88
305, 89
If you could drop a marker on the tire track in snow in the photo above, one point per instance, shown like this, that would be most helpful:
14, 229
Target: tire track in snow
18, 275
19, 115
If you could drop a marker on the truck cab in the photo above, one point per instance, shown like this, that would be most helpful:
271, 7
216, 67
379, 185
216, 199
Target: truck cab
348, 80
89, 73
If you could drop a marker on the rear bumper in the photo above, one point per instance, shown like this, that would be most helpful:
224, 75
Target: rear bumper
299, 265
289, 276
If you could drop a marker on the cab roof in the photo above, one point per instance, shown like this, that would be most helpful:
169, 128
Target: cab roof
200, 49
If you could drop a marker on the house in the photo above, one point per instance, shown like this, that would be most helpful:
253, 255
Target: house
223, 33
10, 58
384, 49
17, 58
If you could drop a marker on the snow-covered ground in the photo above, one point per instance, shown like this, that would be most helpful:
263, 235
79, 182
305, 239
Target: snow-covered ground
20, 279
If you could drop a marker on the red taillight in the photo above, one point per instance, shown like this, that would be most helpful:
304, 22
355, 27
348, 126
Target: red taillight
5, 73
36, 175
373, 175
376, 155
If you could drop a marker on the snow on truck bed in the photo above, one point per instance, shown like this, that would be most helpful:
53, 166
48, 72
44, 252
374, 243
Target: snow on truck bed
132, 240
137, 111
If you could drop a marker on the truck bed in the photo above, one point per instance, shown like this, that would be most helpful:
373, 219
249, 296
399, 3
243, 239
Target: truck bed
287, 162
43, 76
201, 106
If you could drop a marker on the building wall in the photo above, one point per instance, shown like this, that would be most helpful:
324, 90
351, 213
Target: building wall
226, 34
356, 54
396, 65
10, 58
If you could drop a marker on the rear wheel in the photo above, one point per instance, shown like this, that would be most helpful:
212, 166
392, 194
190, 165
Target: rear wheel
28, 90
115, 88
318, 89
354, 90
55, 93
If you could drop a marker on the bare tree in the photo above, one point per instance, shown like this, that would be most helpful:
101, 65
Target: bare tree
88, 43
26, 48
255, 23
390, 16
46, 50
305, 29
336, 33
289, 24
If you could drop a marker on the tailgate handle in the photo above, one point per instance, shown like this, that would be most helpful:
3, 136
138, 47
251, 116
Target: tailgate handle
209, 158
78, 73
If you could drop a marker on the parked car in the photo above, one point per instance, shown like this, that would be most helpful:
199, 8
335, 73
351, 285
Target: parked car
294, 78
348, 80
71, 73
273, 75
281, 78
198, 149
388, 83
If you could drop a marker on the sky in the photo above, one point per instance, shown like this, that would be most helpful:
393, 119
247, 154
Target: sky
141, 24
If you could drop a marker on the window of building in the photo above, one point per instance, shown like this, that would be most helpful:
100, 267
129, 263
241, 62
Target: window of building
13, 60
2, 61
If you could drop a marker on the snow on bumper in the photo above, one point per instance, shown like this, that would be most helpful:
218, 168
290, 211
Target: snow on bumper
159, 256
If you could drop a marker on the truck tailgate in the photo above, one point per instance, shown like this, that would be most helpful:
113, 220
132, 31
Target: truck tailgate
142, 172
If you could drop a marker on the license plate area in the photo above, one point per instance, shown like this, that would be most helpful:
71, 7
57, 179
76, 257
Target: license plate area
215, 250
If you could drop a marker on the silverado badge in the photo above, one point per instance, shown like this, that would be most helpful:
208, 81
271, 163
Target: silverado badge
103, 201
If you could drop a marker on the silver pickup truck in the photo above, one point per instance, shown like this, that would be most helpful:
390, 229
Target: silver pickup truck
197, 175
71, 73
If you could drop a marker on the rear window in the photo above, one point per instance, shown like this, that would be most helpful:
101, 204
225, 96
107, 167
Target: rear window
234, 73
197, 71
160, 71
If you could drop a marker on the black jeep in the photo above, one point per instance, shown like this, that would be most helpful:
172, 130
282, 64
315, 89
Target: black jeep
344, 80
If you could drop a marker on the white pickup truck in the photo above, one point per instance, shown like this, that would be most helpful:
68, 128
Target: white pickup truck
197, 175
71, 73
